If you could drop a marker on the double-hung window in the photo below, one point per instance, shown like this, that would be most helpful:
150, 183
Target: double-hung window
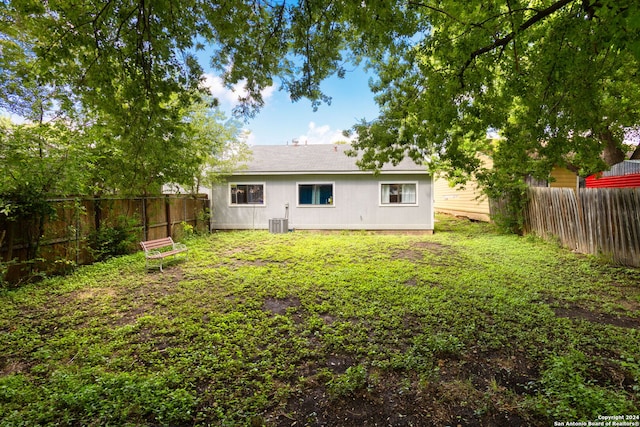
246, 194
315, 194
399, 193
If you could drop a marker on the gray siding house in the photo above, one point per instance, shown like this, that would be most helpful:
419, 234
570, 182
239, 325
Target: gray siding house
318, 187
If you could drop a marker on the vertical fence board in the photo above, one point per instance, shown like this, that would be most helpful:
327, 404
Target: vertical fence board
599, 221
65, 241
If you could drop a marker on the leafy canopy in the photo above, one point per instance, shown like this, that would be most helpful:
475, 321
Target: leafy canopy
121, 79
555, 79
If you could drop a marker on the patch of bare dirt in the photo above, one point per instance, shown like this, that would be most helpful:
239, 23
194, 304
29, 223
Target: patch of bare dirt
412, 282
480, 389
418, 249
327, 318
86, 294
398, 401
579, 313
12, 367
430, 246
409, 254
280, 306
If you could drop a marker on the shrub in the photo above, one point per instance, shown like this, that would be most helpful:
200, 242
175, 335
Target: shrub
113, 240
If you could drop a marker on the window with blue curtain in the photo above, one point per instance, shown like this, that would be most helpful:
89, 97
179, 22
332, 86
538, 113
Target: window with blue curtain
315, 194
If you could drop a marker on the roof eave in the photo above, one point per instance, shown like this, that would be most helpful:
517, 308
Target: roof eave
383, 172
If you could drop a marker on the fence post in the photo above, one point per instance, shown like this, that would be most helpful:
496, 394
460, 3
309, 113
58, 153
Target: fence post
184, 210
77, 208
97, 212
167, 214
145, 222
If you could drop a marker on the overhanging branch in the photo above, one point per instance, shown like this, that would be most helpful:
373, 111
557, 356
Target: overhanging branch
502, 42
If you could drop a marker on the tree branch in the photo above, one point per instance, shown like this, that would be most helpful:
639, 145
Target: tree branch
435, 9
501, 42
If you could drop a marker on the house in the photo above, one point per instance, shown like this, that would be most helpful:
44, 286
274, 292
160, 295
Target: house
623, 174
468, 201
319, 187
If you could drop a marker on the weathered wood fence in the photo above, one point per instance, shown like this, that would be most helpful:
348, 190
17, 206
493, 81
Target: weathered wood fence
66, 237
598, 221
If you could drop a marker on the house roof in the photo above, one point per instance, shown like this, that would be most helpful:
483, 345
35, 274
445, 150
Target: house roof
317, 158
626, 167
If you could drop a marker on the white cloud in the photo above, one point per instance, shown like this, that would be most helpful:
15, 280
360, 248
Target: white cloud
322, 135
229, 96
250, 137
15, 119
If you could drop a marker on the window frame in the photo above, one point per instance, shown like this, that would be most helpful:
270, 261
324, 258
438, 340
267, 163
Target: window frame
318, 183
396, 204
243, 205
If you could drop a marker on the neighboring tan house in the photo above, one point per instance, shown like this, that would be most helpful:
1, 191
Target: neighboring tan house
319, 187
471, 203
564, 178
466, 202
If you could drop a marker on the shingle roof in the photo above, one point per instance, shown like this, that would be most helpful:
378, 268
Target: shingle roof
318, 158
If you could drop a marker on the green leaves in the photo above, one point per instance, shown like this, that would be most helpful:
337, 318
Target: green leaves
554, 78
544, 76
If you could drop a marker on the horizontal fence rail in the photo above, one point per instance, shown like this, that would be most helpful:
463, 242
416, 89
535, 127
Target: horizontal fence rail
597, 221
66, 238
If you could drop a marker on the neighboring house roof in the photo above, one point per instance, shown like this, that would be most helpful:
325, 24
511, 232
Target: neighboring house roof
626, 167
317, 158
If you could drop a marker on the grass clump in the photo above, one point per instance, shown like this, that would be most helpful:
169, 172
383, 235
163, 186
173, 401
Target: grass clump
467, 326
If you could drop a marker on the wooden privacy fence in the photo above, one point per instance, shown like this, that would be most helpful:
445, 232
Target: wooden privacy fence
66, 236
598, 221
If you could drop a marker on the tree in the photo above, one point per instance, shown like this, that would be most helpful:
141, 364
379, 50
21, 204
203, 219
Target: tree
38, 161
556, 79
121, 72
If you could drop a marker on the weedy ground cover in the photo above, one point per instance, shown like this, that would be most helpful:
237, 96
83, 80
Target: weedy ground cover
464, 327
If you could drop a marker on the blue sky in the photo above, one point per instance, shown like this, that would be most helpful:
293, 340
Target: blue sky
281, 120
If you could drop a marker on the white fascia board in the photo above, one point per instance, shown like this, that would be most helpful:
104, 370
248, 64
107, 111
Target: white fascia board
399, 172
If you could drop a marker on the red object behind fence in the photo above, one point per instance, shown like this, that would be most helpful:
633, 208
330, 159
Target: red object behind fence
622, 181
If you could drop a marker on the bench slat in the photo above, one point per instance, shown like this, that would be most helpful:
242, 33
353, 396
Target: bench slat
158, 243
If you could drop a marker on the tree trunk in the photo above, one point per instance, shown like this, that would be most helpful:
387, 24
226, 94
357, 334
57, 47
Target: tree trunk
612, 153
636, 154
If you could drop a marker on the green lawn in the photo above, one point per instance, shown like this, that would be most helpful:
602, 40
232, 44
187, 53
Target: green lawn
464, 327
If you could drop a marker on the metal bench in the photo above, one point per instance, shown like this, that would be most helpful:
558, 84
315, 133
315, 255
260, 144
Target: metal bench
160, 249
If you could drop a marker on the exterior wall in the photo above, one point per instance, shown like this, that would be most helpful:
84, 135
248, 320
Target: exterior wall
468, 202
563, 178
471, 203
356, 204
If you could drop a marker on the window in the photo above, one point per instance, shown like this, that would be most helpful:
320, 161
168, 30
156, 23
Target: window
401, 194
315, 194
247, 194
